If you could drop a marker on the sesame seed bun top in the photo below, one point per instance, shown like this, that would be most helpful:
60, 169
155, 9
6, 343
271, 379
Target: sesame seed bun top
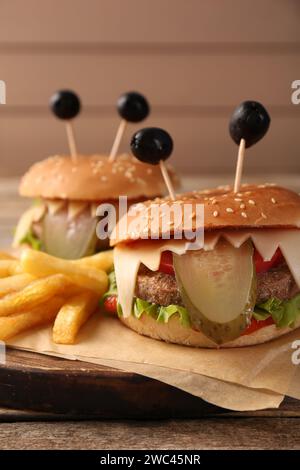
93, 178
254, 206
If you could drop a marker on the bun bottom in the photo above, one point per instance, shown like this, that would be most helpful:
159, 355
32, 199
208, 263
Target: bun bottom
174, 332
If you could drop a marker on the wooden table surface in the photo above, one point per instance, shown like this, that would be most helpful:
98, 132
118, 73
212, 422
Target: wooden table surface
33, 430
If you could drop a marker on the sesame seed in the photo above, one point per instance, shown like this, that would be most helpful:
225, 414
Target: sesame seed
140, 181
229, 209
243, 214
263, 215
251, 202
273, 200
238, 199
247, 193
239, 194
261, 186
149, 171
214, 201
215, 213
242, 206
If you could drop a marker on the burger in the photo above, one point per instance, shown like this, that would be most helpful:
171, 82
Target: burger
66, 193
238, 286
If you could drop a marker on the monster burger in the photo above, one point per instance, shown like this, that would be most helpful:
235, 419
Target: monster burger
239, 285
67, 191
240, 288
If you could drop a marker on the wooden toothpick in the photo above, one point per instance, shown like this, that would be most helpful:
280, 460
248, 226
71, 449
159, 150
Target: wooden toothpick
167, 179
117, 141
239, 166
71, 140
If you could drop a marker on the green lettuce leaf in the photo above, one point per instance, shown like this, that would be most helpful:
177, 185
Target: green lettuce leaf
165, 313
31, 240
142, 306
284, 312
112, 287
161, 314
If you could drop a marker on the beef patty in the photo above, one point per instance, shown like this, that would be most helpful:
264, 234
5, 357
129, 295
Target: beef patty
161, 289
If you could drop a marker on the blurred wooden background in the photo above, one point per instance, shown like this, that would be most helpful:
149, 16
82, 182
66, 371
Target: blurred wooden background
194, 59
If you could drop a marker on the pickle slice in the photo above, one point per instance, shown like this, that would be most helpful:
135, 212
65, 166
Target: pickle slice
218, 288
69, 239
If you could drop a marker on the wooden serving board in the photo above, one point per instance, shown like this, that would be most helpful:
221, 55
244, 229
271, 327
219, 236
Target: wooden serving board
74, 389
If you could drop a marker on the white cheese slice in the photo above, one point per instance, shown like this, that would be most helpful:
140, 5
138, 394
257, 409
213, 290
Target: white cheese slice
289, 244
94, 207
55, 206
75, 208
127, 258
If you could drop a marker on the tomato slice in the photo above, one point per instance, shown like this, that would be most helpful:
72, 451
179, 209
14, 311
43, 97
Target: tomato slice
166, 263
257, 325
110, 304
262, 266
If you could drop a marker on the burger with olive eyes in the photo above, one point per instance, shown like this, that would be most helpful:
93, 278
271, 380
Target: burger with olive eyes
241, 287
66, 193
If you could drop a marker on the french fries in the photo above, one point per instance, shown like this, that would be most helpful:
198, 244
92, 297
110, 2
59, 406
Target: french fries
8, 267
37, 292
103, 260
41, 315
14, 283
4, 255
38, 289
72, 315
40, 264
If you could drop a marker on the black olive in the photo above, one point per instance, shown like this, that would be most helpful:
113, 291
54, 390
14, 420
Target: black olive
151, 145
65, 104
133, 107
249, 121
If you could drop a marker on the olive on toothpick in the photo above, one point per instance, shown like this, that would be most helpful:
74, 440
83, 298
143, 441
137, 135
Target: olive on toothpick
66, 105
249, 121
248, 124
132, 107
154, 145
